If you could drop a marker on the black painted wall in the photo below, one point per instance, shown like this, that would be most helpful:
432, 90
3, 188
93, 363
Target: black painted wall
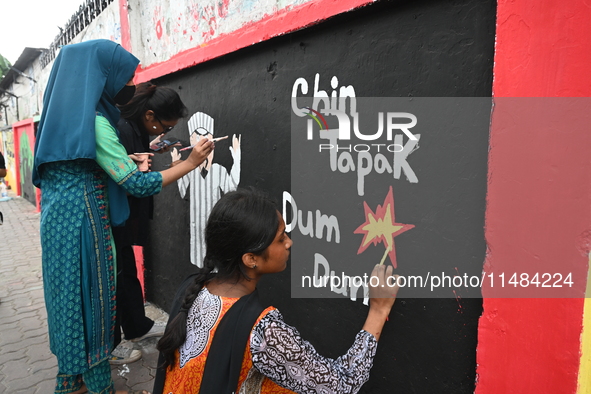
430, 48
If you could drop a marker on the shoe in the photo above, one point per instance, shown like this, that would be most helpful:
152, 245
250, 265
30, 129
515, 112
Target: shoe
124, 353
157, 330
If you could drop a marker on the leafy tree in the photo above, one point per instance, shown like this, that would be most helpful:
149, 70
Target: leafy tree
4, 66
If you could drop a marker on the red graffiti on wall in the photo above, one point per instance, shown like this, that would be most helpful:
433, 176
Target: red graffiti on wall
209, 17
223, 8
157, 18
195, 14
159, 29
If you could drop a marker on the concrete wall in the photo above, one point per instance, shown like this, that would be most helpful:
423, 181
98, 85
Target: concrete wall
29, 95
106, 25
538, 199
163, 29
387, 49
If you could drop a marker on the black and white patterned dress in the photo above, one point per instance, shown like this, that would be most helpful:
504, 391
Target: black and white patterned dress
277, 360
280, 353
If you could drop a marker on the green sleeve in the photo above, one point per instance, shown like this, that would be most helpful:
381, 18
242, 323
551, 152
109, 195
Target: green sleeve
112, 157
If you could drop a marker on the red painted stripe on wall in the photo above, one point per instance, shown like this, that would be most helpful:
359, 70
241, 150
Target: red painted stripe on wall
284, 21
138, 252
543, 49
125, 28
537, 219
538, 202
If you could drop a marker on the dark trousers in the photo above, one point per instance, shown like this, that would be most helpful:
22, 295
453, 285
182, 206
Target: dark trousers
131, 315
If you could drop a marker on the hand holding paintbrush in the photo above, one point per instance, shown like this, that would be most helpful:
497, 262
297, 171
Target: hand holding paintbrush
213, 140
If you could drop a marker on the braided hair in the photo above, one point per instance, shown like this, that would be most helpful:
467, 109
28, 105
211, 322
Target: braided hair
243, 221
164, 101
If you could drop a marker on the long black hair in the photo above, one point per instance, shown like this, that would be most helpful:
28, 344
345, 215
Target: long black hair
164, 101
243, 221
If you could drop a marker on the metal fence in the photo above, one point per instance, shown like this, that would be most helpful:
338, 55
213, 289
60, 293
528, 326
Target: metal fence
86, 14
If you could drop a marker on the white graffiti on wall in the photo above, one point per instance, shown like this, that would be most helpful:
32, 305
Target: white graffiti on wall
341, 160
166, 28
107, 25
207, 182
381, 155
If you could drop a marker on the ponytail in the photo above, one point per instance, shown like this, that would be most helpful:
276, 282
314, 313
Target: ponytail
176, 329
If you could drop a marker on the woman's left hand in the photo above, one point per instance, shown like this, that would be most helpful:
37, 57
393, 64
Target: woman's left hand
138, 160
168, 148
156, 141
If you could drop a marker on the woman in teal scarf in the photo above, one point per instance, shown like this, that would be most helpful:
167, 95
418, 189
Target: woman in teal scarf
84, 174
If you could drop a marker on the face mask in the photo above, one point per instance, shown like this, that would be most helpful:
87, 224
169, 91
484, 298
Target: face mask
125, 94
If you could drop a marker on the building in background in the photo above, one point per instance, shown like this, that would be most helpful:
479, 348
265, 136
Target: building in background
20, 100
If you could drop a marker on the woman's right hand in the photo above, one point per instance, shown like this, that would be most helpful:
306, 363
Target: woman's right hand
200, 152
181, 168
382, 294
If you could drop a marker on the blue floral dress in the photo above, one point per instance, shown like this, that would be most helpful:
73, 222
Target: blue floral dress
78, 250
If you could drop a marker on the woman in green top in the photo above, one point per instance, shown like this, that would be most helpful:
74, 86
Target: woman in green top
84, 174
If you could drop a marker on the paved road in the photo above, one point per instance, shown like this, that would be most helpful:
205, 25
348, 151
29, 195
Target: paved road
26, 363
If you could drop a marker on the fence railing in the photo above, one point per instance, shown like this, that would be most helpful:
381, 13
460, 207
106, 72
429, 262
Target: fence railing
82, 18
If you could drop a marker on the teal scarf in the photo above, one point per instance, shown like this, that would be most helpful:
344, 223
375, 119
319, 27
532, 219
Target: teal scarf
84, 80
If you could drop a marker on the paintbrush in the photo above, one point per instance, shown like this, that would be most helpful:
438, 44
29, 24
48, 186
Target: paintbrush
214, 140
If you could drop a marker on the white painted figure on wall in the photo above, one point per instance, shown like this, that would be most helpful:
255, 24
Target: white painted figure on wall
208, 182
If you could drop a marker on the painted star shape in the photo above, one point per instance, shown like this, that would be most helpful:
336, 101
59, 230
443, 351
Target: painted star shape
381, 226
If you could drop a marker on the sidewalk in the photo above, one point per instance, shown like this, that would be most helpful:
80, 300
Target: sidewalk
26, 363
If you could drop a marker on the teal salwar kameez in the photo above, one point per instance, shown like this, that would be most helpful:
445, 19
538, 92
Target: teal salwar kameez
79, 256
84, 174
